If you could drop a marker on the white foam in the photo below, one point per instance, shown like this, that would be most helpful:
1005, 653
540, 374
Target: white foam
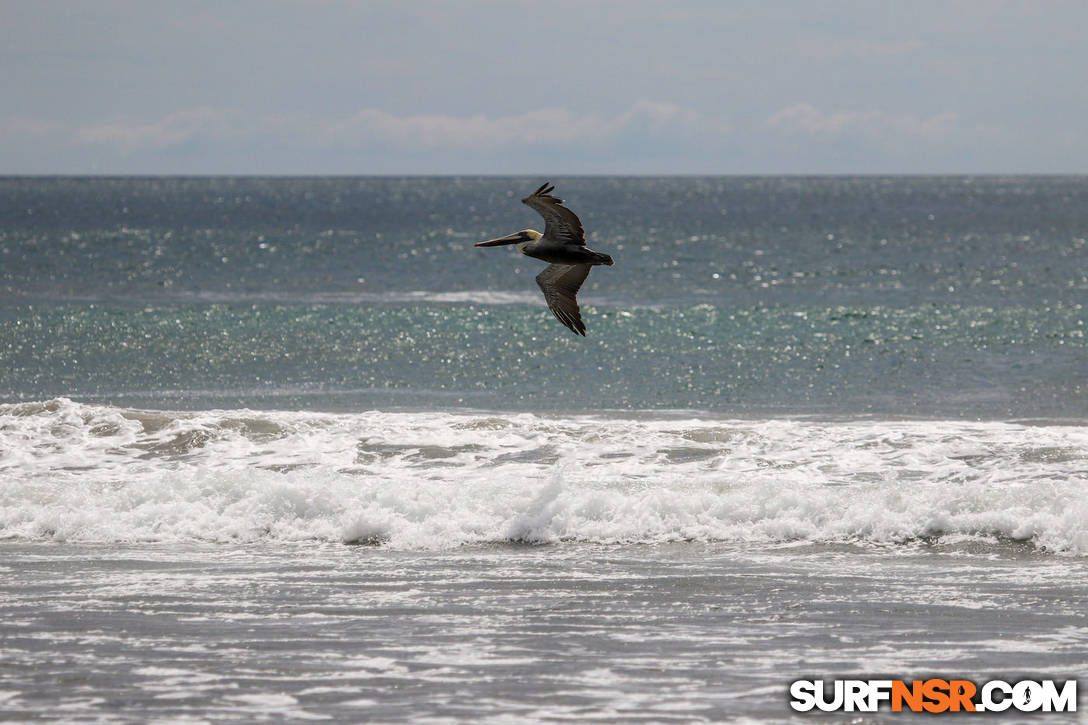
436, 480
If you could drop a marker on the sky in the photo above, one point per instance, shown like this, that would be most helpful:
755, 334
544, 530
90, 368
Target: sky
546, 87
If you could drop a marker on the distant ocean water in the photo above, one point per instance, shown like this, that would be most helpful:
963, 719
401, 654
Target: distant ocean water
294, 448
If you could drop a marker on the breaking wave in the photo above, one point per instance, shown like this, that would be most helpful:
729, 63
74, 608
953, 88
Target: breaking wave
434, 480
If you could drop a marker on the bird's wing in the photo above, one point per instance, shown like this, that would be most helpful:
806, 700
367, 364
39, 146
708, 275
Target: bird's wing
561, 223
560, 284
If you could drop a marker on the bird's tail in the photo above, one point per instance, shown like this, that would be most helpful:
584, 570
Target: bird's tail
604, 259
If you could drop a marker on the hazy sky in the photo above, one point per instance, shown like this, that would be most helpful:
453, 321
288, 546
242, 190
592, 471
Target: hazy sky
546, 87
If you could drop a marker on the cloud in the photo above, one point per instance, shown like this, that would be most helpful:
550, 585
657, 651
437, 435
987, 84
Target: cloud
543, 126
372, 128
804, 118
19, 126
547, 127
171, 130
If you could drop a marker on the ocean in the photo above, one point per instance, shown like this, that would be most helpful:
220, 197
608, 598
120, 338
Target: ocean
275, 449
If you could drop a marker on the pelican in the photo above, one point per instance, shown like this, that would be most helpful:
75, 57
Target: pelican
563, 246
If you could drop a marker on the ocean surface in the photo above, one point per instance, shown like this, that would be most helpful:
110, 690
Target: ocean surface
275, 449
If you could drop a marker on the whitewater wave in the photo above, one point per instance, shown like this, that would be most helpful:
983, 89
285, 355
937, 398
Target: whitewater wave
76, 472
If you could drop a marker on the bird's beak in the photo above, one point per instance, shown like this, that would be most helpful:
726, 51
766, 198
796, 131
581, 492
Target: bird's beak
508, 239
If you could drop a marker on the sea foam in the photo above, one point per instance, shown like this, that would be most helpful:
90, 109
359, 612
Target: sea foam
70, 471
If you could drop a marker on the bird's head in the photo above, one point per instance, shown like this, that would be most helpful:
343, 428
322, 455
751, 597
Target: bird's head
525, 235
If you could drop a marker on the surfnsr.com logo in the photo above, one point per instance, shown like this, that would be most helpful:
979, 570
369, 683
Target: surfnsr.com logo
933, 695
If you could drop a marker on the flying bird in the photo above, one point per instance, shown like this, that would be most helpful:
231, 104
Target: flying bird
563, 246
